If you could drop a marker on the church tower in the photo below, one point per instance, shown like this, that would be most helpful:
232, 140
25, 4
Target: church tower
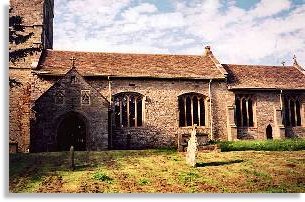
30, 31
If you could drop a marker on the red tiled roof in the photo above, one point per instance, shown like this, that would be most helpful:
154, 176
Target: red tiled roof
258, 76
130, 65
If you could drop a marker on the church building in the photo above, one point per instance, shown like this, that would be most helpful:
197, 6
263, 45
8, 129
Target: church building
101, 101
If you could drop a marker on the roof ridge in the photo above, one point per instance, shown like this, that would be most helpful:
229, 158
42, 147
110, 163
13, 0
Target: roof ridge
122, 53
258, 65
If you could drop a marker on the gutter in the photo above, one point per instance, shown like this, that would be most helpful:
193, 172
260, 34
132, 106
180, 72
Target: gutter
58, 74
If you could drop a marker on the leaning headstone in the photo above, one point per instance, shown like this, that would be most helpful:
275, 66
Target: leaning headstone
192, 148
72, 165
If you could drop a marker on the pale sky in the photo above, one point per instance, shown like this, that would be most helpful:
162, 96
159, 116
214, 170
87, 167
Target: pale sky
238, 31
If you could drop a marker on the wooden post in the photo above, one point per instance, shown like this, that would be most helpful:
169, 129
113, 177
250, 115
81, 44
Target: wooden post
72, 165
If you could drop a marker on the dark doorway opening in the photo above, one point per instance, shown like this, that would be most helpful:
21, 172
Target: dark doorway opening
269, 132
71, 132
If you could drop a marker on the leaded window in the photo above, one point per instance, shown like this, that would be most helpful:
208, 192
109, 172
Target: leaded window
128, 110
292, 111
191, 110
244, 111
85, 97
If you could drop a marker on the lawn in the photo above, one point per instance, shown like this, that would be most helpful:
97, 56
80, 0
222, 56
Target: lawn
158, 171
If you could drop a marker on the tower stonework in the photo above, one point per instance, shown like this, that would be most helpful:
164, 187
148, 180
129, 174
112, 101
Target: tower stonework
37, 22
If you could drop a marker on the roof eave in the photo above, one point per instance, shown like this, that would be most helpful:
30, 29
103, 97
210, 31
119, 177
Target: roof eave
60, 74
263, 88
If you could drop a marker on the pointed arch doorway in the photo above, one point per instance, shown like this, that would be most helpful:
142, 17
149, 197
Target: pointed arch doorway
71, 131
269, 132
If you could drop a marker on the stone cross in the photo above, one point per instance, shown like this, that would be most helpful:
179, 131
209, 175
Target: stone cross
73, 61
192, 148
283, 63
72, 165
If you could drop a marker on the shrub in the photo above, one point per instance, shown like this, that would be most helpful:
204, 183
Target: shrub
187, 177
263, 145
102, 176
144, 181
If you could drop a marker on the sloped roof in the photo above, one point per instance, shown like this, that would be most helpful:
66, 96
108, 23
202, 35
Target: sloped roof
55, 62
264, 77
30, 10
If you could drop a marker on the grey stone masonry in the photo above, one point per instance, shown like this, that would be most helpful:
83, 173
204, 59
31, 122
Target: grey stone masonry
70, 94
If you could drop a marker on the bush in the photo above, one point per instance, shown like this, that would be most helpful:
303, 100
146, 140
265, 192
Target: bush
102, 176
144, 181
187, 177
263, 145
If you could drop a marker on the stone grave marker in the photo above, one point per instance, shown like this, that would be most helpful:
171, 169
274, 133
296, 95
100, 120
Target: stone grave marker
72, 165
192, 148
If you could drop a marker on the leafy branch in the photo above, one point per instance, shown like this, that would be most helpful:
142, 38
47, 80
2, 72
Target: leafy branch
18, 36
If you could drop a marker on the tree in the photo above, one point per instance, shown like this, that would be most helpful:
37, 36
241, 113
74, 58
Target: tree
18, 36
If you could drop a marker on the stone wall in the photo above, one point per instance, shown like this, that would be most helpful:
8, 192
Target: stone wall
19, 111
161, 122
295, 132
49, 114
161, 116
33, 14
265, 106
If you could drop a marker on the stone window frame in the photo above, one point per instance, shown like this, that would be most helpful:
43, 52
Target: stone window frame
73, 79
293, 117
83, 93
188, 118
129, 120
62, 92
247, 113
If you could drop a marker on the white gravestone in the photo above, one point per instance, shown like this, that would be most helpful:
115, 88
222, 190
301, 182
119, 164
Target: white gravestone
192, 148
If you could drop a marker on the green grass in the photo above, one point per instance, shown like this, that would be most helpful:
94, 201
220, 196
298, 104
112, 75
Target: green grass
264, 145
152, 171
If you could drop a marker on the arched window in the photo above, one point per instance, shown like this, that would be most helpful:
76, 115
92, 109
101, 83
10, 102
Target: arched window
60, 97
128, 110
244, 111
292, 109
191, 109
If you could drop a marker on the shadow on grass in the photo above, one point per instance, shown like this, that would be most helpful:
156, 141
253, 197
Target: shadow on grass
82, 167
220, 163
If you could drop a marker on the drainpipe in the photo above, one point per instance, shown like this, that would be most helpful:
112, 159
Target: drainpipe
110, 109
109, 90
281, 101
211, 118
